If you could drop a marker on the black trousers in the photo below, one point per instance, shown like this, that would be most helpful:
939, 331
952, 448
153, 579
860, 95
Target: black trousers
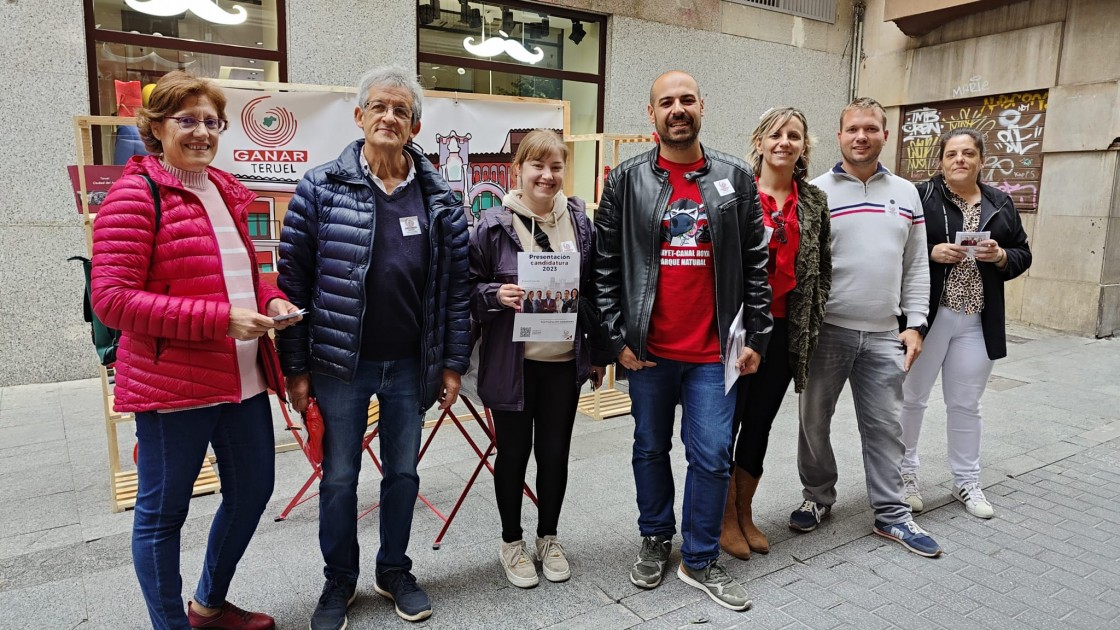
549, 411
760, 397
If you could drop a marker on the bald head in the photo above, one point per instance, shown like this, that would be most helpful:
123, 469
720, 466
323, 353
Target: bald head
672, 77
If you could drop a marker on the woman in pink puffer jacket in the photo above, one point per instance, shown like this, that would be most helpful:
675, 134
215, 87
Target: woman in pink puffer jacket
194, 362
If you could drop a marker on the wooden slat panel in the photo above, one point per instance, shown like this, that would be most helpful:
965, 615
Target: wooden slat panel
1013, 126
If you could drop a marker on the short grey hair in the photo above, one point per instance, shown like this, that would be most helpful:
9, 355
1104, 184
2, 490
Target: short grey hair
392, 76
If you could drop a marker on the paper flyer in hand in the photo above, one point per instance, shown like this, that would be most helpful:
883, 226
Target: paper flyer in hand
735, 345
971, 240
551, 284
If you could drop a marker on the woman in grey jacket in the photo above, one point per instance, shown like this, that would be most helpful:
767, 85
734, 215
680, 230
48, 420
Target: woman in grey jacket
531, 387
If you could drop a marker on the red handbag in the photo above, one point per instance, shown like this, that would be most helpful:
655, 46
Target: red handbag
313, 421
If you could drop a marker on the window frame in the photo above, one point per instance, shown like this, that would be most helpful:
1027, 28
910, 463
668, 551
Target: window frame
477, 63
94, 36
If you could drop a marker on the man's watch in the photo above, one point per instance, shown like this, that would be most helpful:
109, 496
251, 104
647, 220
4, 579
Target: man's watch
922, 330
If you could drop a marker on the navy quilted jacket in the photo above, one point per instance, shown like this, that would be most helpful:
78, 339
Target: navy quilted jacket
325, 249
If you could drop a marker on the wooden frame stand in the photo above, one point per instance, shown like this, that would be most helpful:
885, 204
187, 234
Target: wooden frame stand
606, 401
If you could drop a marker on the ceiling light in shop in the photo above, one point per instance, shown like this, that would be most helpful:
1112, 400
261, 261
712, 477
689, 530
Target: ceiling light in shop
578, 32
205, 9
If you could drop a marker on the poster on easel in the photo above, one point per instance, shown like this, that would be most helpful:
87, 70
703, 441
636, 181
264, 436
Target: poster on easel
278, 132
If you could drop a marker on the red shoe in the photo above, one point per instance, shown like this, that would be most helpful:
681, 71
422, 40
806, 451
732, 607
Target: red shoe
231, 618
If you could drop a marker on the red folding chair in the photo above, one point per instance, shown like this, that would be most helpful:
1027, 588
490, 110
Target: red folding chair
487, 427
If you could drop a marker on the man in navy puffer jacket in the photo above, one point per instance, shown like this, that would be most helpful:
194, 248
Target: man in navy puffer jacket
374, 246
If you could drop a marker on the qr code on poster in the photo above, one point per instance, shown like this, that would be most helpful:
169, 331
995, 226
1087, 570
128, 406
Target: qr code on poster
525, 332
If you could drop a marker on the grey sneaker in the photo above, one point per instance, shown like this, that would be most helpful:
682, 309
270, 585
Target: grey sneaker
553, 563
518, 564
647, 571
911, 494
715, 581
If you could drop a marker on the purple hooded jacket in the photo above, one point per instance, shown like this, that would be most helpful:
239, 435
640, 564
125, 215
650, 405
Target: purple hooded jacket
493, 262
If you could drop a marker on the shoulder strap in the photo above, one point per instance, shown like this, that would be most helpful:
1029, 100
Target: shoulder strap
155, 198
538, 235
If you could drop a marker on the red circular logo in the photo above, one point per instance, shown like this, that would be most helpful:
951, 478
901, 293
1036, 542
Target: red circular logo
273, 128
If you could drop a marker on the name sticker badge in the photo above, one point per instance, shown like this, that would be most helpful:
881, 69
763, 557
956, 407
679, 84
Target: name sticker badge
568, 246
410, 226
724, 187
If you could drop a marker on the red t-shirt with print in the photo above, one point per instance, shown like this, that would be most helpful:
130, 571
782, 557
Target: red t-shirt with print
683, 324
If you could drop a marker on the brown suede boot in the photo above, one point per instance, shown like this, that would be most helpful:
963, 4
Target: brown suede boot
745, 486
731, 537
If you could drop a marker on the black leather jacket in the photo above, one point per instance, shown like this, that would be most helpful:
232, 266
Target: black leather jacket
628, 248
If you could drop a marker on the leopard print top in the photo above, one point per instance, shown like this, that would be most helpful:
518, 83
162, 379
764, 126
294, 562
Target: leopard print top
964, 290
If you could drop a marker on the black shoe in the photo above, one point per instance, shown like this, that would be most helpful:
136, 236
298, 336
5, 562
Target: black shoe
330, 613
410, 601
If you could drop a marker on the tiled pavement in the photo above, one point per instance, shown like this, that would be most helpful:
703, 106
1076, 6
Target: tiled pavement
1050, 558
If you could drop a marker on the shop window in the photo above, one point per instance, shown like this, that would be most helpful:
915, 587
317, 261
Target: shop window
265, 268
518, 49
127, 42
483, 201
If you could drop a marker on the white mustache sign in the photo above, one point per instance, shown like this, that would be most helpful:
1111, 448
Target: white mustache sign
494, 46
204, 9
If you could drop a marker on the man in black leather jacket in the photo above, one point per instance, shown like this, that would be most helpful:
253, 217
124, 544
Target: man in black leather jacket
680, 248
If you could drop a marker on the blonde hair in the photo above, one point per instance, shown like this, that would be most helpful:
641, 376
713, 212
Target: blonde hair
171, 90
776, 118
537, 144
864, 102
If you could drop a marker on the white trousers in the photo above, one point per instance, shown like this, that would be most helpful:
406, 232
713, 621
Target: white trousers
954, 347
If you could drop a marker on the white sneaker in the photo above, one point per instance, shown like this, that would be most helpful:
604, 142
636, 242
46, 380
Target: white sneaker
972, 496
910, 492
553, 563
518, 564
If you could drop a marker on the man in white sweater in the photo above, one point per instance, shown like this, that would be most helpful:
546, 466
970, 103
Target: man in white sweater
880, 272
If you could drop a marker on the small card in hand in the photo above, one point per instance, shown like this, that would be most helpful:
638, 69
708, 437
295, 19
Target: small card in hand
971, 240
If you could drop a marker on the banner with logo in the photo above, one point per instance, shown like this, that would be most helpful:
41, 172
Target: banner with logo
275, 137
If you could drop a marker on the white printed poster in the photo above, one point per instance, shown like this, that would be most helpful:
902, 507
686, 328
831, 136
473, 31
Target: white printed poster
275, 137
551, 284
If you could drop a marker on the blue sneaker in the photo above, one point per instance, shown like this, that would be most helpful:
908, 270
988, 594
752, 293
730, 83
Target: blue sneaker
410, 601
911, 536
808, 516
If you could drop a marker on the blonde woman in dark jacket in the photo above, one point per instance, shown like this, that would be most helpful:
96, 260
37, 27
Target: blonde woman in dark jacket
800, 275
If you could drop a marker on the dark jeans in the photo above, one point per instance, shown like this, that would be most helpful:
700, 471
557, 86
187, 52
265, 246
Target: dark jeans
171, 449
760, 397
706, 432
550, 410
345, 408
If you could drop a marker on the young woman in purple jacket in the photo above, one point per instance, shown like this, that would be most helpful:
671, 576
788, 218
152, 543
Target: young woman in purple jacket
531, 387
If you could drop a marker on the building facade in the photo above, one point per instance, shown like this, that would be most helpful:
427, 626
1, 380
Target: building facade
1042, 79
748, 55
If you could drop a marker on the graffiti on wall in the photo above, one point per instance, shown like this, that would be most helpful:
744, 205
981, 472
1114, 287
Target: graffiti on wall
1012, 125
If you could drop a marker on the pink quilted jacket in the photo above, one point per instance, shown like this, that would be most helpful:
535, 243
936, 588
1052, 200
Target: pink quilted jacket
169, 301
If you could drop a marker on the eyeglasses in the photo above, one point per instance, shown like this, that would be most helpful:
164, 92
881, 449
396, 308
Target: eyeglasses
779, 226
188, 123
379, 109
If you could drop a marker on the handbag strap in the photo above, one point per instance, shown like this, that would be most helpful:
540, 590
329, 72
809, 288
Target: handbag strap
538, 235
155, 201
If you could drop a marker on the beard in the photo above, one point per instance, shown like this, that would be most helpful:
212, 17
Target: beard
664, 131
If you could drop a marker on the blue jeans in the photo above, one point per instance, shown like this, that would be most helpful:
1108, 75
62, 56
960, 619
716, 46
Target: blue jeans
706, 433
171, 449
345, 407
